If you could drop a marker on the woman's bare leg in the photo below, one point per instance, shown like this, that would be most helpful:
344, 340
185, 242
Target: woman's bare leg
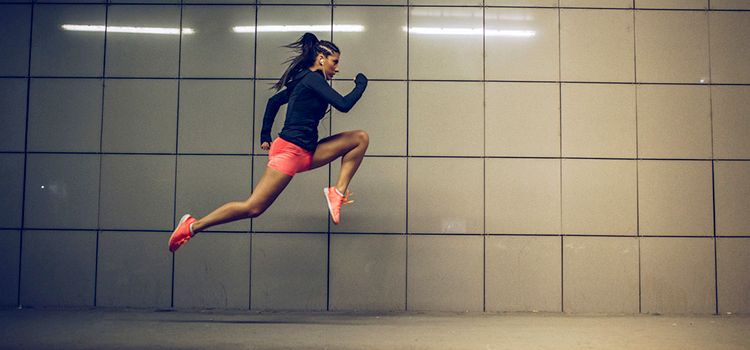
268, 188
350, 146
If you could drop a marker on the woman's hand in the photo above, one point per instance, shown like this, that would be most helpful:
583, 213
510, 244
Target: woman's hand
360, 79
265, 146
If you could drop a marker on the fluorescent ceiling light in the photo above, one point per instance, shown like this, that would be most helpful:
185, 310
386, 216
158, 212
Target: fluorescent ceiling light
301, 28
512, 33
132, 30
470, 31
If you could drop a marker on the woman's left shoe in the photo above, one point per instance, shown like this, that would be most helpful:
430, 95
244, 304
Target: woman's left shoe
181, 233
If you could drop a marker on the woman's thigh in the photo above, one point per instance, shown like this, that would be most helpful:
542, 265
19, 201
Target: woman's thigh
271, 184
333, 147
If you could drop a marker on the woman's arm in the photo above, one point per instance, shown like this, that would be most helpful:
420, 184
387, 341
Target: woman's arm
343, 103
272, 108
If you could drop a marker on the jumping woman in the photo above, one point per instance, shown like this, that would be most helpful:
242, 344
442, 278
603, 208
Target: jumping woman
297, 148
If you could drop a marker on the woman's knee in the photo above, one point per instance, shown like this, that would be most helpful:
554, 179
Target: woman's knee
362, 137
253, 211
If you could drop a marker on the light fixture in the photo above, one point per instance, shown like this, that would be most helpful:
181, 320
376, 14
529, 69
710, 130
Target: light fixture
470, 31
129, 30
300, 28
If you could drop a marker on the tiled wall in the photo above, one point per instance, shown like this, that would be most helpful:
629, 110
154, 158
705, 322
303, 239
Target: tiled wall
571, 155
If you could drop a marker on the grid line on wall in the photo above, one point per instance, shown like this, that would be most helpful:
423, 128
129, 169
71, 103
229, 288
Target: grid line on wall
637, 164
407, 152
715, 240
176, 145
53, 77
25, 156
252, 162
713, 164
229, 232
710, 85
386, 156
330, 177
101, 156
484, 158
388, 80
560, 153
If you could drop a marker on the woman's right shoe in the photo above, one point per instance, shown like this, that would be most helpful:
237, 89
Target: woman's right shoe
335, 200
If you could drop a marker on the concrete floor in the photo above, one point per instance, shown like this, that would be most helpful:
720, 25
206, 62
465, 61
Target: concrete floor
144, 329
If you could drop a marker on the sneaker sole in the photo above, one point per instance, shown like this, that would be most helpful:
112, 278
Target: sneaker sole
330, 209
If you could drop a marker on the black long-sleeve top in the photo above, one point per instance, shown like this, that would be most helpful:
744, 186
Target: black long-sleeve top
308, 95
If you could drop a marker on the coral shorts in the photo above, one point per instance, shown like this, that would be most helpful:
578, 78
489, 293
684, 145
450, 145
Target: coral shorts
289, 158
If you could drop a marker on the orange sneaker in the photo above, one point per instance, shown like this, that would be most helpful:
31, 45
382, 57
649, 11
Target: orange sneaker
181, 233
335, 200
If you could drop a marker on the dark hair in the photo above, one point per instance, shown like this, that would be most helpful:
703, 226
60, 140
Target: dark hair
307, 47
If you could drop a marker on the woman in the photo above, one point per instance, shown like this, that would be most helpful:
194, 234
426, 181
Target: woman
297, 148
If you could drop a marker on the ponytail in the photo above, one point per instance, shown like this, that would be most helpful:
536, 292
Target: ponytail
308, 47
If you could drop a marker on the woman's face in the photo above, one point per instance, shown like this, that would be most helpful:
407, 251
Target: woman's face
331, 65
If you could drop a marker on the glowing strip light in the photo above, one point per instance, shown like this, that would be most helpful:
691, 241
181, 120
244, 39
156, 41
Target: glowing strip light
301, 28
131, 30
511, 33
470, 31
